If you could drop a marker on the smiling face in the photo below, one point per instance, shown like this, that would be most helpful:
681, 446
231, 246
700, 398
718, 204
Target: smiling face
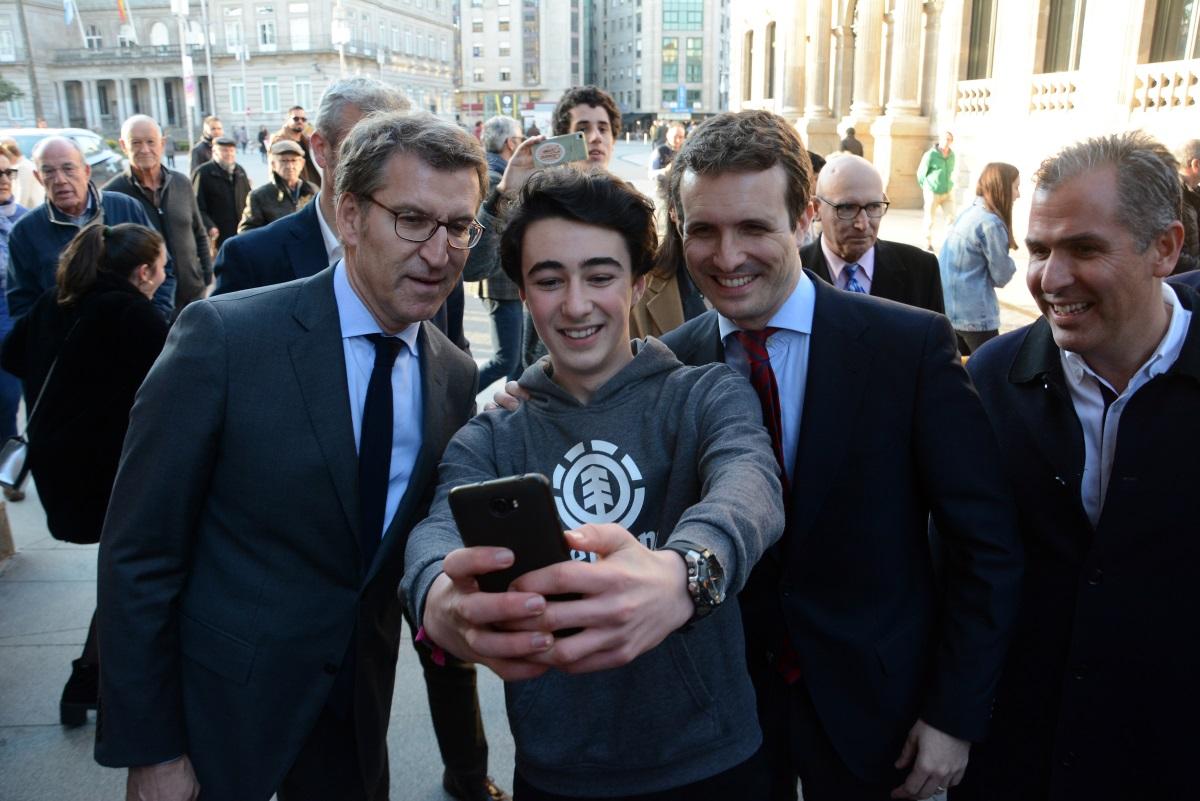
226, 154
1101, 296
402, 282
849, 180
579, 288
741, 249
597, 132
144, 145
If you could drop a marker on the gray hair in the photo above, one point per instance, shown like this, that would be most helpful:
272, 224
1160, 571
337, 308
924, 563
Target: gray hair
1188, 151
497, 131
366, 95
1149, 197
377, 138
40, 147
134, 120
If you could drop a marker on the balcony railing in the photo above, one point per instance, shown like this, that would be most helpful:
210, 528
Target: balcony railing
1164, 86
973, 97
1053, 91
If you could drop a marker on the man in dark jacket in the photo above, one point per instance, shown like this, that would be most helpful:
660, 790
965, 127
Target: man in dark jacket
1095, 405
72, 201
221, 187
202, 153
287, 192
293, 131
170, 204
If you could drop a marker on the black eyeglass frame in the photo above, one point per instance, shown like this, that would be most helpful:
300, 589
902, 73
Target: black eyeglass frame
475, 228
840, 209
11, 173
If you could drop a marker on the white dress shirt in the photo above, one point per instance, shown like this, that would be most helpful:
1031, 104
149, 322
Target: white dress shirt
866, 267
1100, 426
333, 247
788, 350
356, 324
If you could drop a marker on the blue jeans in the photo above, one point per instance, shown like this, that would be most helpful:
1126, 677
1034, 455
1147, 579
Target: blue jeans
506, 339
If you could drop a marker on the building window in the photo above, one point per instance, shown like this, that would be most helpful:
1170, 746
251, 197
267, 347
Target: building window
1174, 32
233, 36
8, 46
670, 59
477, 75
1064, 32
686, 15
102, 99
769, 67
747, 65
505, 75
505, 49
477, 25
93, 40
408, 42
695, 59
503, 24
982, 39
237, 97
298, 27
303, 93
159, 37
266, 35
477, 50
15, 113
270, 95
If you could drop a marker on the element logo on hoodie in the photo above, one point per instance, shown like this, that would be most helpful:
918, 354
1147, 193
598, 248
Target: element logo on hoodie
595, 483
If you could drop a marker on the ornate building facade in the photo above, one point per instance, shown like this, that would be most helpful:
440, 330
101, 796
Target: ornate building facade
1013, 81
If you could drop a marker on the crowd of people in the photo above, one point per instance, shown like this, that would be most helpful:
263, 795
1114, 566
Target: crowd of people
809, 546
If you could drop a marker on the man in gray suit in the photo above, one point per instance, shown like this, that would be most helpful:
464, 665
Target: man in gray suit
272, 471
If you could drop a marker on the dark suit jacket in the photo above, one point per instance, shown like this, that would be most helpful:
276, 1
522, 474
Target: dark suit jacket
221, 197
891, 433
903, 273
230, 579
285, 250
1098, 699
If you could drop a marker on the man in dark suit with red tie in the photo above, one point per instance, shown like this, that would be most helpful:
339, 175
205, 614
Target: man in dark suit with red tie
850, 203
875, 655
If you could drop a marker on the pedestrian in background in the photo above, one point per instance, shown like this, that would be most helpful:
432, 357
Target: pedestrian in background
935, 175
286, 193
974, 260
10, 387
264, 136
83, 351
221, 187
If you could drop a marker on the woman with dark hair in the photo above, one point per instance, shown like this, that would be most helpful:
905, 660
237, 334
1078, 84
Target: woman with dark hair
670, 299
974, 258
82, 351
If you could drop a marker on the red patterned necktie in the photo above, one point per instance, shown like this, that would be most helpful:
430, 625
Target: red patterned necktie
762, 378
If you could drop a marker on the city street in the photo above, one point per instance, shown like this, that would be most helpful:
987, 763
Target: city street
47, 593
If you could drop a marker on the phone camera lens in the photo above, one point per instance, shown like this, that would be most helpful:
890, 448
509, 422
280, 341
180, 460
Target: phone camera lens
499, 506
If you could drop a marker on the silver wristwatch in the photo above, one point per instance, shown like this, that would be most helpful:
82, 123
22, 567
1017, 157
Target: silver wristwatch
705, 581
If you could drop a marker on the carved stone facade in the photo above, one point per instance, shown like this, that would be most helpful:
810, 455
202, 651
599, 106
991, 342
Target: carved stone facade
1013, 81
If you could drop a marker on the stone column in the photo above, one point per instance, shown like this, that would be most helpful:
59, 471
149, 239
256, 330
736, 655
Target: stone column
88, 93
902, 135
818, 127
794, 54
868, 44
928, 91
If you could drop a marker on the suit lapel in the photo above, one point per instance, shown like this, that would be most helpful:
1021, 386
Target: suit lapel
814, 259
306, 248
320, 366
434, 399
888, 280
834, 388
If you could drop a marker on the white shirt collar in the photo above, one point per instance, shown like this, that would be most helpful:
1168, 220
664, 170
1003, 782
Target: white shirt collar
836, 263
355, 319
333, 248
1076, 367
796, 313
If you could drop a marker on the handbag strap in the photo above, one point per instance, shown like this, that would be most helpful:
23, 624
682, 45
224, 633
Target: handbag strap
46, 380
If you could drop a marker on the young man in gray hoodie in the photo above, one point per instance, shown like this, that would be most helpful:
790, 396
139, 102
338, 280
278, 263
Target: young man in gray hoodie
666, 479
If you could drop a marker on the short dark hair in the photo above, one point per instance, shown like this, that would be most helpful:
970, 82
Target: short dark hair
745, 141
592, 96
592, 197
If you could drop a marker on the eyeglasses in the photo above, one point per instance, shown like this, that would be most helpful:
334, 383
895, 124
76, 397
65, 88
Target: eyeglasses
412, 226
9, 174
299, 119
849, 211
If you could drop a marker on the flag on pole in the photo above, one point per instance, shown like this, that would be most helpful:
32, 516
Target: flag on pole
121, 12
68, 11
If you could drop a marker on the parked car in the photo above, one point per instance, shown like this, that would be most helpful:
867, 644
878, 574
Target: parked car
104, 161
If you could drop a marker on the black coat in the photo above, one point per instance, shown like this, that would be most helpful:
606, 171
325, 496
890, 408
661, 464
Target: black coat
221, 197
75, 441
903, 273
273, 201
201, 154
1098, 699
891, 433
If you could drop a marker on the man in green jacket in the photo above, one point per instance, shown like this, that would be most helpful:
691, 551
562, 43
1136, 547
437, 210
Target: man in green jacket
936, 178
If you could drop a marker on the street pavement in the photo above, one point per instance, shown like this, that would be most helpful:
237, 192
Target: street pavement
48, 588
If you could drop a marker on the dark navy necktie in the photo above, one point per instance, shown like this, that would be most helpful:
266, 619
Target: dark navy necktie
375, 446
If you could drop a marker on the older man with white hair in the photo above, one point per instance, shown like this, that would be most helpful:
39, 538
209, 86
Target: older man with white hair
72, 202
169, 203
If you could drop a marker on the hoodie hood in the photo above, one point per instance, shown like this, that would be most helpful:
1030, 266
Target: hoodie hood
650, 358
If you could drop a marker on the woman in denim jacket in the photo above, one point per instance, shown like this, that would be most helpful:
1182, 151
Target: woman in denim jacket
974, 258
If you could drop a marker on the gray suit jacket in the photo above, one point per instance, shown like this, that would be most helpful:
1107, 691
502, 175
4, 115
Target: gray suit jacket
231, 586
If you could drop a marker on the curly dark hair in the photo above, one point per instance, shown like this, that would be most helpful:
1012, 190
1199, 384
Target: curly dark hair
592, 96
593, 197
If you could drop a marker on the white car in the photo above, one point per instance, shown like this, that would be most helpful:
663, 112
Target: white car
104, 161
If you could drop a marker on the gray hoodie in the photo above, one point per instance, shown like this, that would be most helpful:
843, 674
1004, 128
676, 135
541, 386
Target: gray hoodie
674, 454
